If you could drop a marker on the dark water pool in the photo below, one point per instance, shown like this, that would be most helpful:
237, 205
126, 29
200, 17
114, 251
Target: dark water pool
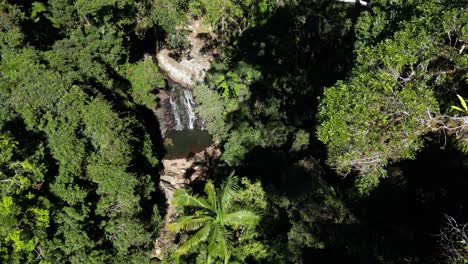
180, 144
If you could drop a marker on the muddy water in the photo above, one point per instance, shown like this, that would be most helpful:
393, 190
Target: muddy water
183, 143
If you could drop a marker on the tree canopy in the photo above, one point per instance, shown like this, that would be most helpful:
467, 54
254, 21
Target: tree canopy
392, 98
214, 220
345, 121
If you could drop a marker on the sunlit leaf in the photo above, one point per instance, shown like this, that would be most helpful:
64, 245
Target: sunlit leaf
463, 102
457, 108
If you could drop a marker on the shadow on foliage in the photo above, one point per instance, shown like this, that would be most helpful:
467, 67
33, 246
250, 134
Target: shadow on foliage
145, 44
39, 32
397, 223
299, 52
150, 125
145, 128
400, 220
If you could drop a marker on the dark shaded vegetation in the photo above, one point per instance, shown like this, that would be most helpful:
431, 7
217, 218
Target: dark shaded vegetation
275, 76
337, 119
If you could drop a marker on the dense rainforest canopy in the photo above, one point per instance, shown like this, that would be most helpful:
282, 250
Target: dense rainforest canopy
343, 127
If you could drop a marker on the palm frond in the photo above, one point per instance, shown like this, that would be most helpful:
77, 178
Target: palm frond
183, 197
230, 186
189, 223
224, 247
200, 236
218, 243
212, 242
243, 218
211, 194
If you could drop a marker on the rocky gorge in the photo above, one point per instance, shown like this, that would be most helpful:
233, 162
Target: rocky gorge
190, 149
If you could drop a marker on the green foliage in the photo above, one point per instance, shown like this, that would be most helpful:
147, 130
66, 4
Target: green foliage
382, 124
178, 43
95, 11
463, 108
301, 140
231, 17
377, 115
224, 103
263, 91
144, 77
78, 163
233, 83
251, 244
251, 195
148, 151
65, 96
40, 8
37, 7
138, 17
214, 219
212, 109
9, 21
24, 216
169, 14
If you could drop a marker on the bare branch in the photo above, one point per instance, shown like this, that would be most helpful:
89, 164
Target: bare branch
453, 240
455, 126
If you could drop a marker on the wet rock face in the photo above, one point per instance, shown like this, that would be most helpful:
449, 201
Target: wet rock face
176, 109
164, 112
183, 108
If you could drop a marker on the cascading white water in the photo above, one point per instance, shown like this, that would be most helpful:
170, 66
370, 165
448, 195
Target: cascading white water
183, 108
175, 112
185, 130
189, 105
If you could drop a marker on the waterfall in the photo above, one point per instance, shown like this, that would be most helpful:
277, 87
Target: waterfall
175, 112
183, 108
189, 104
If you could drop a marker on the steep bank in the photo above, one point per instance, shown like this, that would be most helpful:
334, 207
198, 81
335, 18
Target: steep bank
190, 69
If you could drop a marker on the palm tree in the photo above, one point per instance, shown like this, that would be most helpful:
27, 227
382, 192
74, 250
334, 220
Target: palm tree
213, 218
